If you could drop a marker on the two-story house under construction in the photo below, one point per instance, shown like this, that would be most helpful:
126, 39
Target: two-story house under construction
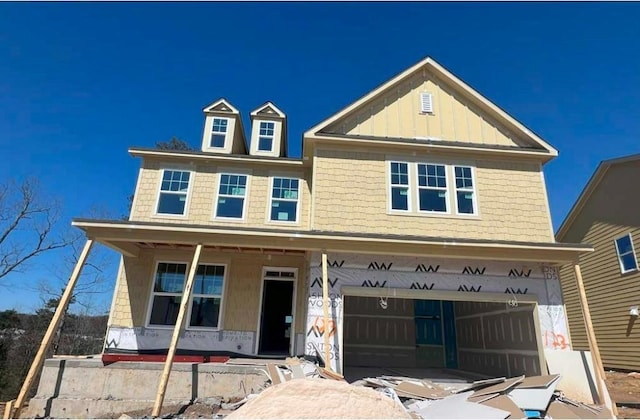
426, 199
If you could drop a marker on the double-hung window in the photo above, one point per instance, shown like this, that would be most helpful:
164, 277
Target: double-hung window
173, 192
231, 196
432, 188
284, 200
399, 186
219, 132
626, 254
206, 298
265, 136
465, 200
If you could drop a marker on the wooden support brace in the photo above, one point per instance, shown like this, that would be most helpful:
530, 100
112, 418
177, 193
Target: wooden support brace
177, 330
591, 335
325, 307
7, 409
51, 330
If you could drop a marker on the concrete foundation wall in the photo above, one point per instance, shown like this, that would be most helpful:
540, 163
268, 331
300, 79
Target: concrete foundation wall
87, 389
496, 339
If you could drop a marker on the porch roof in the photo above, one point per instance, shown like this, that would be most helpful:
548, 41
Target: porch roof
129, 237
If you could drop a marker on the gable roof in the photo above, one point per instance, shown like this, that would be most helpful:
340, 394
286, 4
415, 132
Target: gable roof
221, 105
588, 190
431, 65
268, 109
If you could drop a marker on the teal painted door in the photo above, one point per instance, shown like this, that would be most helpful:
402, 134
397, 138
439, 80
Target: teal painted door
451, 345
429, 338
435, 334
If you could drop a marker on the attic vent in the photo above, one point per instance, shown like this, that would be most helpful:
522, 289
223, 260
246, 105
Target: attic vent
426, 103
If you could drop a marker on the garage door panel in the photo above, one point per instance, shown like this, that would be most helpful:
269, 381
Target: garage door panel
357, 305
368, 356
522, 364
380, 331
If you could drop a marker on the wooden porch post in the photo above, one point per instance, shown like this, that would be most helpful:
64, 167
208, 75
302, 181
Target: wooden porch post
53, 326
177, 330
325, 307
591, 335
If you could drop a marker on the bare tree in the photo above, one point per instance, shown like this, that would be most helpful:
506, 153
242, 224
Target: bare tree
27, 225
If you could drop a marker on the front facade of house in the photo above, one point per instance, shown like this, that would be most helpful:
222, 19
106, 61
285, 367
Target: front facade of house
428, 200
605, 215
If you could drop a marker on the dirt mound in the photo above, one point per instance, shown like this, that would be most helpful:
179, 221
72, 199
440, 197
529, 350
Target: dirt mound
320, 399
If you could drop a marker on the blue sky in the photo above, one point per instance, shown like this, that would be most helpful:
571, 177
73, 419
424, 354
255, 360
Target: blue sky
81, 82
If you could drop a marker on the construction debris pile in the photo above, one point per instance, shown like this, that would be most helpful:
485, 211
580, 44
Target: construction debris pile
301, 390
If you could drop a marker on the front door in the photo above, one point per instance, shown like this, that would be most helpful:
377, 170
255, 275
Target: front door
276, 321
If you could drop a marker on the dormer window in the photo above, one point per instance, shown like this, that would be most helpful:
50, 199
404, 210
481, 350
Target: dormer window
223, 132
219, 132
265, 139
268, 131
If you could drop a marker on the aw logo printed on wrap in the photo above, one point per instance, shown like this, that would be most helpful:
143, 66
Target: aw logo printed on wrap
318, 282
514, 272
333, 263
421, 268
369, 283
421, 286
374, 265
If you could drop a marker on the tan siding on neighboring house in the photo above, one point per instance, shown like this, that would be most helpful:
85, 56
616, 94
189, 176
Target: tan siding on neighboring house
351, 195
612, 211
242, 289
203, 186
396, 113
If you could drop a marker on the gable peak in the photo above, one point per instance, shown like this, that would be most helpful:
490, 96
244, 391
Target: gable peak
268, 109
221, 105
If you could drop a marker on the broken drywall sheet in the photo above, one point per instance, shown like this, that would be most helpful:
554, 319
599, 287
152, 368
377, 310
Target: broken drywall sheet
534, 394
577, 375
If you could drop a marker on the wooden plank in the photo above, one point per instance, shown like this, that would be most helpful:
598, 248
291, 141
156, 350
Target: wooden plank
325, 308
51, 330
591, 335
7, 409
177, 330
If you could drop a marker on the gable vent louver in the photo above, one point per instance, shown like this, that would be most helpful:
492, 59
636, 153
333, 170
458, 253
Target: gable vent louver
426, 102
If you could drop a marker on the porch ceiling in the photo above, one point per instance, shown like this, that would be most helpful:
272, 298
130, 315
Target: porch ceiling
129, 237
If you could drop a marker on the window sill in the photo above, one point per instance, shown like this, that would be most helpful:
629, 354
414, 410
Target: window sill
435, 215
282, 223
169, 216
193, 329
229, 219
629, 273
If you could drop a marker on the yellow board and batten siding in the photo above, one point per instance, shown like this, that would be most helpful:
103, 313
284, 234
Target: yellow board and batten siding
203, 188
396, 113
351, 195
610, 212
241, 298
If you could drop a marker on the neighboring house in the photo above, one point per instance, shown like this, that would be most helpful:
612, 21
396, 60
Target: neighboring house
606, 216
428, 200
